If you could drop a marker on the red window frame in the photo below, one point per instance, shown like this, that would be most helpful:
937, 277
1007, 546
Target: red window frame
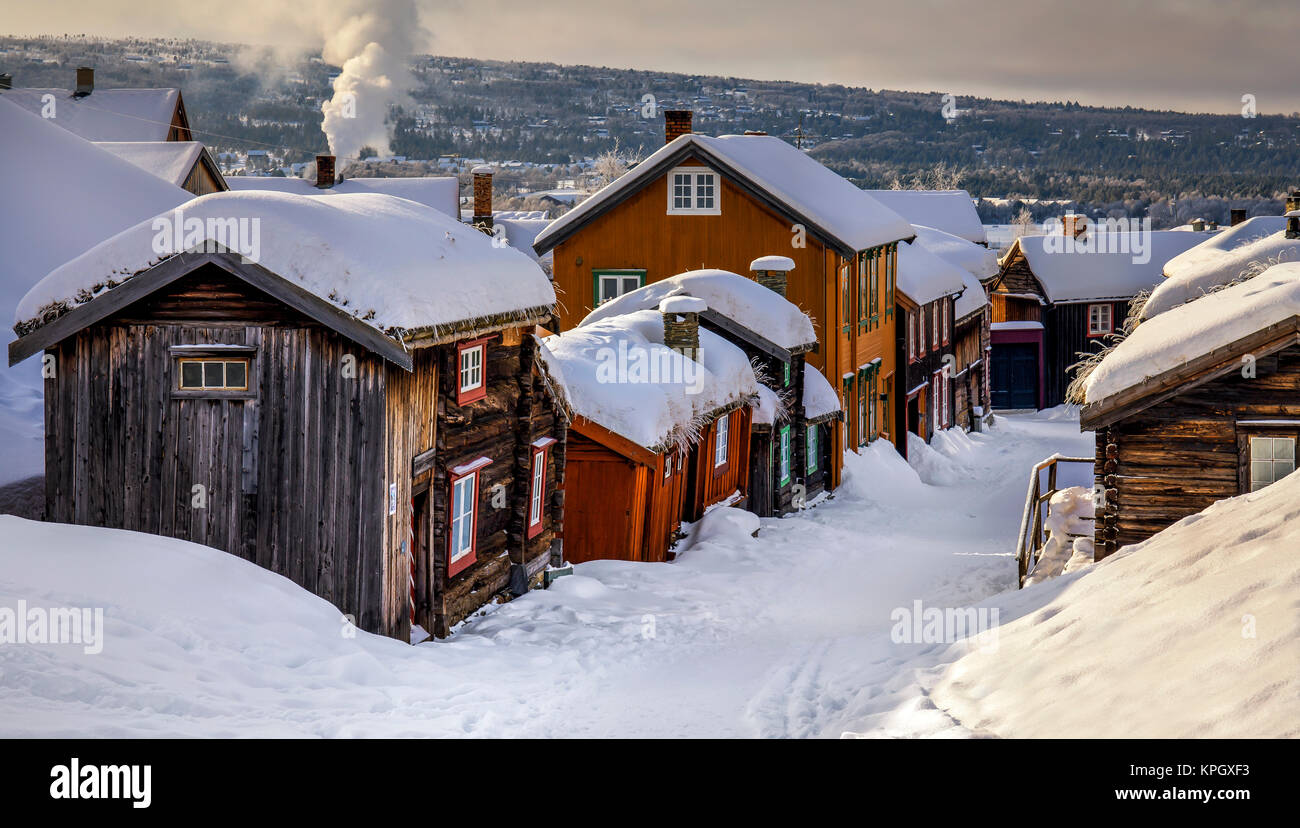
936, 388
540, 453
475, 394
934, 327
1110, 318
471, 469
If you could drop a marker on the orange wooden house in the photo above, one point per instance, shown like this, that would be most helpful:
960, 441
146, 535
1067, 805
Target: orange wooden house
646, 451
718, 202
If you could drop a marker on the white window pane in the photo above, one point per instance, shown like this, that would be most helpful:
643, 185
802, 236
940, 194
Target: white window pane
1261, 448
1261, 471
1281, 468
1283, 448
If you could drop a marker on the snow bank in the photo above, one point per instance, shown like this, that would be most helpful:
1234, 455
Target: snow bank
392, 263
1188, 331
736, 297
1193, 633
1070, 513
618, 373
1220, 259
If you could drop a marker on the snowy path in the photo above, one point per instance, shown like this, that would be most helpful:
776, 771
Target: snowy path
783, 635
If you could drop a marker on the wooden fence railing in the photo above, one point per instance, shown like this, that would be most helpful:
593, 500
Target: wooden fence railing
1031, 539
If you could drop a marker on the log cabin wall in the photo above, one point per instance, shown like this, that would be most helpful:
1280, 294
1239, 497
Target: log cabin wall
1181, 455
292, 470
970, 386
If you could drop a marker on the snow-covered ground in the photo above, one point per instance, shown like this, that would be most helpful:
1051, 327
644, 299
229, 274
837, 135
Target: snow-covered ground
786, 634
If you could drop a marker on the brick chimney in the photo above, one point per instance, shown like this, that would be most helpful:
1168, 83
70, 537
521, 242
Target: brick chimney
682, 324
771, 272
324, 171
677, 122
1237, 215
1074, 225
6, 81
85, 81
482, 178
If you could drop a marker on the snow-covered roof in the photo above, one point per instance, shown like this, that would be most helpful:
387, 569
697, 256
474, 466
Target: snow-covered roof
171, 161
819, 398
442, 193
105, 114
977, 262
1197, 328
665, 400
924, 276
736, 297
1220, 259
394, 264
1102, 266
62, 195
520, 233
951, 211
847, 214
768, 407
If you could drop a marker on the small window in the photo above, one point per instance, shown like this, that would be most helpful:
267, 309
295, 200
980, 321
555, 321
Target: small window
911, 337
464, 515
934, 321
611, 284
537, 492
1271, 459
214, 375
785, 455
720, 442
920, 331
785, 366
1099, 320
810, 444
947, 321
864, 432
693, 190
471, 376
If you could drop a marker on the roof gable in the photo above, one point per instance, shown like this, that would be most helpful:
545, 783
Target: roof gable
770, 170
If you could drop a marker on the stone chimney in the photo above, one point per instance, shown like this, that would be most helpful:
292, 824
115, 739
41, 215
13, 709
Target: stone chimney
85, 81
772, 271
1292, 201
6, 81
482, 178
682, 324
677, 122
1074, 225
1293, 224
1198, 224
1237, 215
324, 171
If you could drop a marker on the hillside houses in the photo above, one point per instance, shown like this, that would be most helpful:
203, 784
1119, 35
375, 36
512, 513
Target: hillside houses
340, 397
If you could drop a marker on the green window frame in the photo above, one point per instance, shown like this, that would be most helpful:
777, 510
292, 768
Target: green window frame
810, 446
891, 268
785, 455
873, 279
620, 277
786, 367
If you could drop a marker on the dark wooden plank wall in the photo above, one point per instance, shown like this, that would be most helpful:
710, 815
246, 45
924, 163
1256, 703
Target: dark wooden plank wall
1065, 336
1181, 455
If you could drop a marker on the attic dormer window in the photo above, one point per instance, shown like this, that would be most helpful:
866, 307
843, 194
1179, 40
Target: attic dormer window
693, 191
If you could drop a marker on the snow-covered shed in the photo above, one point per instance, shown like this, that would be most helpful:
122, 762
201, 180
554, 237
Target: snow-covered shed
344, 389
1199, 403
661, 426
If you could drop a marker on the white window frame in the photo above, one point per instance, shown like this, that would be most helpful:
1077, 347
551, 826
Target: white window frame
720, 441
1095, 326
934, 342
695, 173
811, 449
459, 514
911, 337
538, 493
1285, 464
787, 451
475, 383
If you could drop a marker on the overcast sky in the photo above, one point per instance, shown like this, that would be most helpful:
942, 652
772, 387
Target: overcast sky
1192, 55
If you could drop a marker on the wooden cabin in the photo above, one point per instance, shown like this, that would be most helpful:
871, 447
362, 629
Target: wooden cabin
713, 202
357, 406
1057, 297
648, 451
109, 114
1194, 407
187, 164
790, 461
928, 286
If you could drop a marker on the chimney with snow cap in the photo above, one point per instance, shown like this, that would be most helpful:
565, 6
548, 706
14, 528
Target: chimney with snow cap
1293, 224
772, 271
1074, 225
677, 122
324, 171
85, 81
682, 323
482, 180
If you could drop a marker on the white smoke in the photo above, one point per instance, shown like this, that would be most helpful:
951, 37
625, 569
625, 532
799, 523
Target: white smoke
373, 41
